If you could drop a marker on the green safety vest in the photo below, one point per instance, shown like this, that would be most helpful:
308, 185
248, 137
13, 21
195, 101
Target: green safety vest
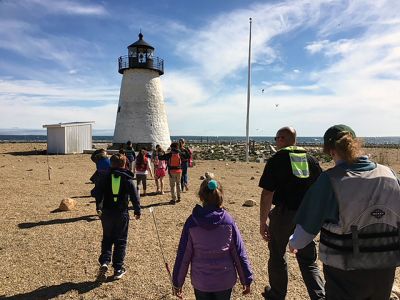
298, 162
115, 185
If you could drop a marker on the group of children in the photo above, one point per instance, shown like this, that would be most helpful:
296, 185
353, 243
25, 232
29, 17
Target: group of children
175, 163
210, 242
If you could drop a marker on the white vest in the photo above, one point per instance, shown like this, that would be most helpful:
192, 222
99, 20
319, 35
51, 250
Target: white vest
367, 235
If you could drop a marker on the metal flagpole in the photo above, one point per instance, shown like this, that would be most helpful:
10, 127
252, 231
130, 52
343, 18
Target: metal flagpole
248, 97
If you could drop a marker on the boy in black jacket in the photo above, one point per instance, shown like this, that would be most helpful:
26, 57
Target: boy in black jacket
112, 196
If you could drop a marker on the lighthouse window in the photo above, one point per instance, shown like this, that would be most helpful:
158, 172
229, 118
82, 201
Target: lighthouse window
119, 108
142, 58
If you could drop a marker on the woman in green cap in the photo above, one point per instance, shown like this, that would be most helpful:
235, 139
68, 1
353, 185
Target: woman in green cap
356, 207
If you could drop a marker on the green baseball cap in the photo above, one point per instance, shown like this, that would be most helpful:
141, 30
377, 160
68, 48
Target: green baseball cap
336, 132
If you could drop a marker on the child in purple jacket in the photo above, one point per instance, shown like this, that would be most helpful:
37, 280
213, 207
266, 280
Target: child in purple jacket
211, 243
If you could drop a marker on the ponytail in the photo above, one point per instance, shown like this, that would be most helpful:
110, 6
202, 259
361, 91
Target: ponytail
348, 148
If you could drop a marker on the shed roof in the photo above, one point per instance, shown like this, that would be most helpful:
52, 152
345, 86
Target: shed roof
68, 124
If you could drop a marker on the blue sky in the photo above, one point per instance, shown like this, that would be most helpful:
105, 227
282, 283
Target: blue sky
315, 63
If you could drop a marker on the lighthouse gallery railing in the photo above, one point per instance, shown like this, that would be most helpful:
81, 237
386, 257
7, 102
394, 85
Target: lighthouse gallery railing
127, 62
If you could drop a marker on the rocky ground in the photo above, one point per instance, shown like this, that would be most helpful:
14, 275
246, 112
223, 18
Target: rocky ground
53, 255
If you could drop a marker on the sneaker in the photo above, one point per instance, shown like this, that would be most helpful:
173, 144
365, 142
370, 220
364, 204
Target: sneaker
268, 294
102, 274
172, 202
118, 274
179, 200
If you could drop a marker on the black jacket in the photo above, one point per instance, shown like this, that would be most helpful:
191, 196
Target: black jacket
127, 191
278, 178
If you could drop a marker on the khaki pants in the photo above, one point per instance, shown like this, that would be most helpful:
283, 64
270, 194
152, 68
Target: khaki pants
175, 185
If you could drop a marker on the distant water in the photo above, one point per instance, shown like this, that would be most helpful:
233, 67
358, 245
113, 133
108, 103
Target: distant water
391, 140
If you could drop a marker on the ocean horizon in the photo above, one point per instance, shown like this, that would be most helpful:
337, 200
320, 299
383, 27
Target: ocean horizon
31, 138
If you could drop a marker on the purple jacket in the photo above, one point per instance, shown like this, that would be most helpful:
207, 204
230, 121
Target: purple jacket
212, 244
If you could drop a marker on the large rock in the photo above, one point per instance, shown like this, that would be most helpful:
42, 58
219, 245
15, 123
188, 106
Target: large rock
67, 204
250, 203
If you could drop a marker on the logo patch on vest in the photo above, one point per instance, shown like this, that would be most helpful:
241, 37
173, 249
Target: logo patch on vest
378, 213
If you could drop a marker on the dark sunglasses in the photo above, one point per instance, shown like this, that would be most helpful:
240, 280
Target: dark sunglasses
278, 137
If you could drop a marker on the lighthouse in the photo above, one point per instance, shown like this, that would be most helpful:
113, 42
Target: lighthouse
141, 116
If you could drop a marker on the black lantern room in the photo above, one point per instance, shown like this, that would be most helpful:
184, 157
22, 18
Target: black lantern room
140, 56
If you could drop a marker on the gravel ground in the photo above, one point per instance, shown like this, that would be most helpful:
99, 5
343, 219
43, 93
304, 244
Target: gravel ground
53, 255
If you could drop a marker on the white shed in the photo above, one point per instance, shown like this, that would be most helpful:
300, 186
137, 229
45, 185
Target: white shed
73, 137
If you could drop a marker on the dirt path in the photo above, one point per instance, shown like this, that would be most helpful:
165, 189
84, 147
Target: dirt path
46, 255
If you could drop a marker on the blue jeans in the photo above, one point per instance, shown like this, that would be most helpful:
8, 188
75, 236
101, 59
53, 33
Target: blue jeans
222, 295
184, 178
115, 232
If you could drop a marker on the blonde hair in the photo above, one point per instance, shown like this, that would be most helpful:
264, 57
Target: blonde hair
211, 196
347, 147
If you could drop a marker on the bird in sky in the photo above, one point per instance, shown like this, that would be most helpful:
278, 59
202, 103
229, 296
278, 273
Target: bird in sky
262, 91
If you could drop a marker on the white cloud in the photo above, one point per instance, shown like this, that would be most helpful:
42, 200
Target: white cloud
66, 7
184, 89
280, 87
356, 82
54, 93
328, 48
221, 48
351, 88
316, 46
30, 42
344, 16
312, 87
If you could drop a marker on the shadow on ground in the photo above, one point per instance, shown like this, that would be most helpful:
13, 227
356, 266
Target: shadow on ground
28, 225
26, 153
51, 292
155, 204
84, 196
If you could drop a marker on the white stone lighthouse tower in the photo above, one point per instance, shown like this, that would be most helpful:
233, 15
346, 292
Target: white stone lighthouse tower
141, 116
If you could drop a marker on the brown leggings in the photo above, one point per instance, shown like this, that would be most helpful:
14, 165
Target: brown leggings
141, 178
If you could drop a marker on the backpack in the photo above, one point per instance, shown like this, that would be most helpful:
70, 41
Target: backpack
191, 163
130, 154
174, 161
142, 167
159, 164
